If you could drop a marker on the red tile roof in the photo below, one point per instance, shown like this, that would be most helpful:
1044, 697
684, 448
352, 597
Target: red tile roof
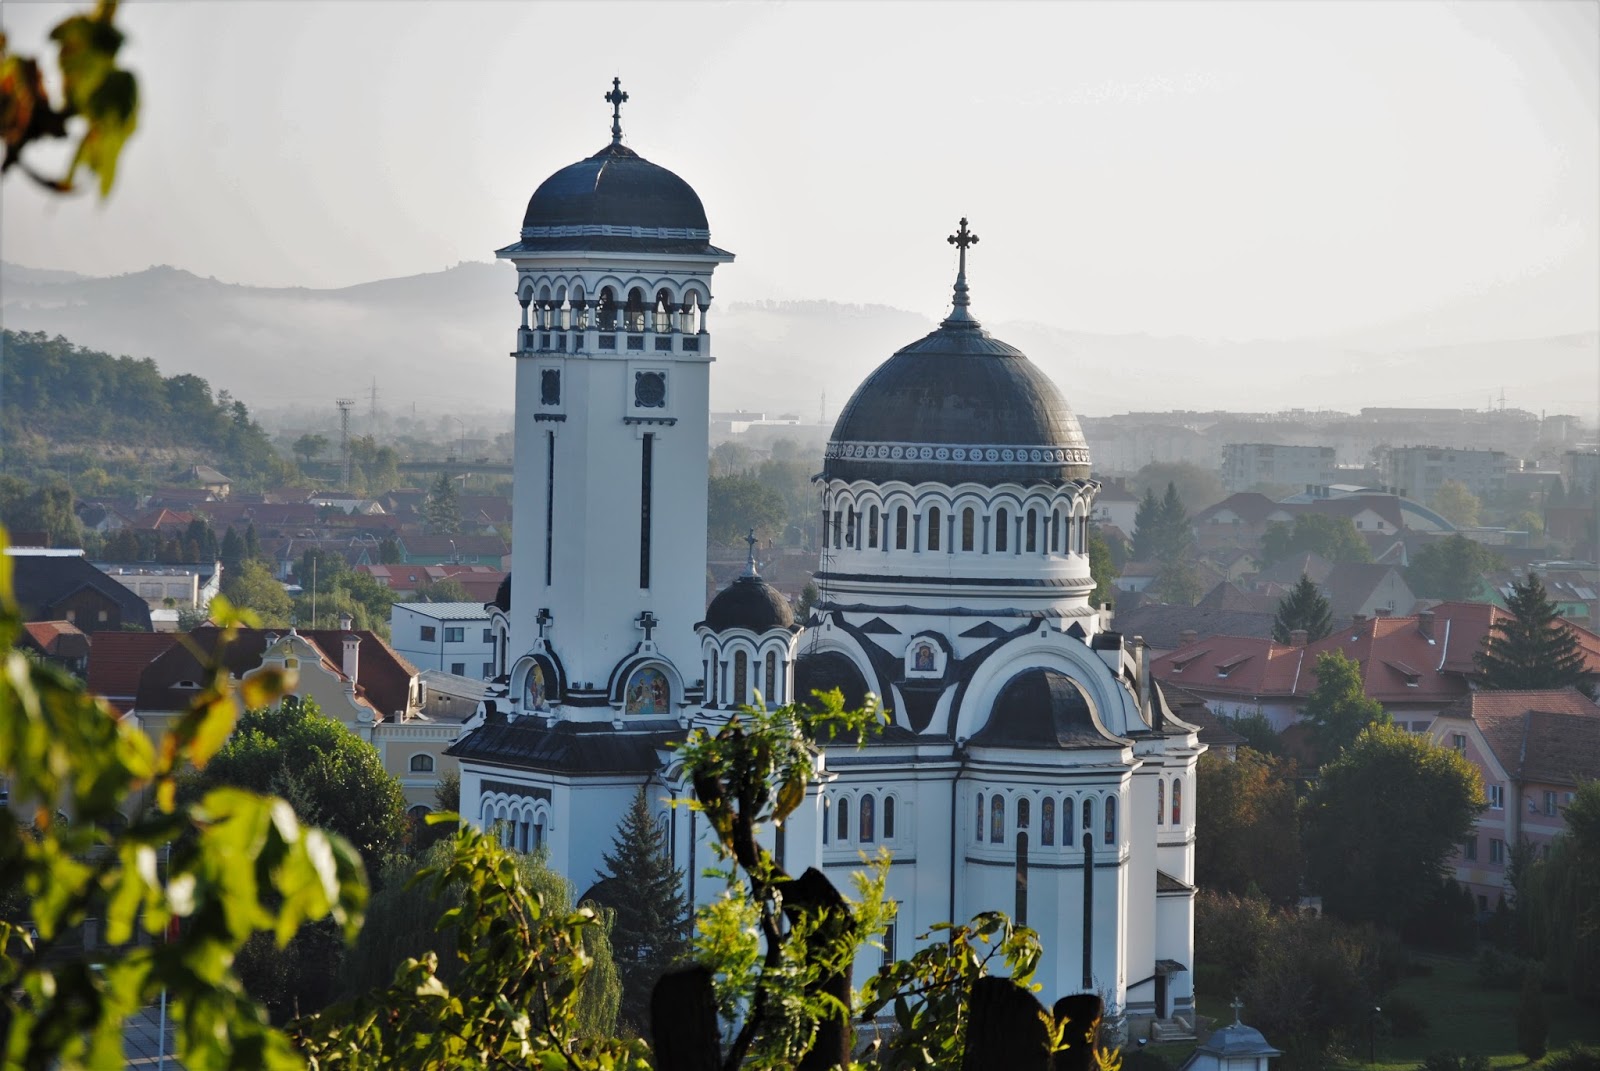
116, 660
1552, 737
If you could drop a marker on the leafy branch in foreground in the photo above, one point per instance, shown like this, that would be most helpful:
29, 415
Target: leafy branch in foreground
237, 864
93, 89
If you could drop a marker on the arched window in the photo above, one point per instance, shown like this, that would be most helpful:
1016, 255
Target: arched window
843, 830
969, 523
1001, 522
716, 667
1068, 810
422, 764
872, 526
1161, 801
1023, 807
1047, 821
1021, 909
869, 817
850, 528
771, 692
933, 528
997, 819
538, 832
608, 309
1111, 819
838, 529
663, 311
1055, 531
633, 315
741, 673
1177, 801
827, 808
1088, 819
888, 818
979, 830
1032, 538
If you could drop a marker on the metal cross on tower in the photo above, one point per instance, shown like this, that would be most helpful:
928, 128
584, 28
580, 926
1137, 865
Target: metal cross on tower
617, 98
961, 240
1237, 1006
750, 560
544, 620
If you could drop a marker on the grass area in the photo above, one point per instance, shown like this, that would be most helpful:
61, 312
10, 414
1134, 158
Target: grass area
1465, 1018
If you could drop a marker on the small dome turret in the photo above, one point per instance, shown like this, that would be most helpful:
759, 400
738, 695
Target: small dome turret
749, 603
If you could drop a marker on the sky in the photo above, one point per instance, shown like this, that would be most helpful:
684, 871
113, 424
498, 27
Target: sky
1219, 170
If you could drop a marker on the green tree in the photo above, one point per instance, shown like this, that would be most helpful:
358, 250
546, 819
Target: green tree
442, 509
1198, 487
729, 458
1533, 1018
1561, 899
1178, 583
310, 446
1338, 709
1248, 834
1382, 822
1102, 568
650, 913
1147, 534
1304, 607
93, 89
254, 589
225, 867
1531, 647
231, 553
1456, 504
252, 544
328, 773
1335, 538
736, 504
1453, 568
388, 551
448, 589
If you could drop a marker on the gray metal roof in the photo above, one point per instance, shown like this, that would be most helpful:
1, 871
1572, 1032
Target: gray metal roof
447, 611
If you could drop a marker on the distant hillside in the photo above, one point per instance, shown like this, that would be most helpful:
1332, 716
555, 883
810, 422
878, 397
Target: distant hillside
440, 341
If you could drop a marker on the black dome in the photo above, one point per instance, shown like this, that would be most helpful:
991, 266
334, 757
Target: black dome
616, 199
502, 594
825, 671
1043, 708
953, 407
749, 602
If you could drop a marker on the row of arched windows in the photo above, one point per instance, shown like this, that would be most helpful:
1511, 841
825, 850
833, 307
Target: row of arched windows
993, 821
1177, 801
518, 825
734, 681
869, 826
968, 530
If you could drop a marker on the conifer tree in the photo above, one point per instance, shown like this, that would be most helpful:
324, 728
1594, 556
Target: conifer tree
1303, 608
1531, 647
1175, 534
1147, 527
442, 508
649, 933
252, 542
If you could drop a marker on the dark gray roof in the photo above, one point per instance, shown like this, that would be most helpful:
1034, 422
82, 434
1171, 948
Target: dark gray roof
827, 670
751, 603
596, 203
1043, 708
955, 406
41, 581
579, 747
1160, 623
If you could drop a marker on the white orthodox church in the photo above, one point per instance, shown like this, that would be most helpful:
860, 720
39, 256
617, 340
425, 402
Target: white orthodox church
1032, 765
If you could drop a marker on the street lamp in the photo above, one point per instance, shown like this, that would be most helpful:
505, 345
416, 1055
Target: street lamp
1372, 1035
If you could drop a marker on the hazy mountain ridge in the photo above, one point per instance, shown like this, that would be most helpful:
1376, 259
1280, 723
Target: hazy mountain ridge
440, 340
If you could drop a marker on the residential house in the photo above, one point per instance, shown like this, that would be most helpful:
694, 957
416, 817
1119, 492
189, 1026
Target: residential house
60, 585
190, 585
209, 479
453, 637
459, 549
355, 677
1115, 505
1414, 665
59, 642
118, 659
1574, 588
1533, 750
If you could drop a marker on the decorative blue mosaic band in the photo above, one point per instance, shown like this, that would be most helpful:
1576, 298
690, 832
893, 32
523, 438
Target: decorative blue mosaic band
966, 454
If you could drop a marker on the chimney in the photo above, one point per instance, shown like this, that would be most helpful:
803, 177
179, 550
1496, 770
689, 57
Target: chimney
1382, 611
1187, 636
346, 622
1357, 619
1425, 624
352, 656
1298, 637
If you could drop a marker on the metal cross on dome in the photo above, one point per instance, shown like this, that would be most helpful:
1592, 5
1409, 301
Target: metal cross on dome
961, 239
617, 98
959, 316
1237, 1006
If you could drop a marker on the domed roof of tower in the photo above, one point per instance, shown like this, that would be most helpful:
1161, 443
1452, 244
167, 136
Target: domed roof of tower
749, 603
1043, 708
957, 406
615, 200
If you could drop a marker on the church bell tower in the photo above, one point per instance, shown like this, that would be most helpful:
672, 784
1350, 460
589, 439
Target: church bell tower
613, 363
